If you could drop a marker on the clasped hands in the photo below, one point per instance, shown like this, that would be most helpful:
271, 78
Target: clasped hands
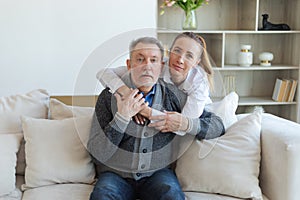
132, 105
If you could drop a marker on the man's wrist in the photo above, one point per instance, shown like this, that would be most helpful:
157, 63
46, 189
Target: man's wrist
123, 90
119, 123
146, 112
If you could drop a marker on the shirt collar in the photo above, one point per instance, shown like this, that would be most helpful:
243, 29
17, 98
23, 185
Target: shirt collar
150, 95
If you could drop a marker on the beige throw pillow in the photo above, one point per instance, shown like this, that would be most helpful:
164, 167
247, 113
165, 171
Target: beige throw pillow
9, 146
56, 153
59, 110
227, 165
225, 109
33, 104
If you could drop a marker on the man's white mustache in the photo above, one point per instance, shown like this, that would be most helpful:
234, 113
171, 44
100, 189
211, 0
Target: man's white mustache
147, 74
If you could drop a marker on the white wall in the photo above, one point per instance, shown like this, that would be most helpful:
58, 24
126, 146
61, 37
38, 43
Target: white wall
46, 43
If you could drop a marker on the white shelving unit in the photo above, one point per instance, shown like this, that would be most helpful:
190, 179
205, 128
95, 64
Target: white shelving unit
225, 25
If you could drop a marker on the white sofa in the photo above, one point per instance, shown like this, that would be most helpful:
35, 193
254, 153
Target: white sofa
279, 175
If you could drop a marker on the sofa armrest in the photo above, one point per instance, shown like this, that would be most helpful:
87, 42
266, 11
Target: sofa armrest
280, 174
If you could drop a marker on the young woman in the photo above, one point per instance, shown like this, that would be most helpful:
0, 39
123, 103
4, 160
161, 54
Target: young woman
188, 68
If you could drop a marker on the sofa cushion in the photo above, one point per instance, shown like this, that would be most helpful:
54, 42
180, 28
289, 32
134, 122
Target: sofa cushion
59, 192
16, 194
59, 110
55, 151
206, 196
225, 109
209, 196
9, 146
226, 165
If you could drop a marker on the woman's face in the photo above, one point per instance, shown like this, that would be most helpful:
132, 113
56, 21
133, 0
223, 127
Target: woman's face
184, 55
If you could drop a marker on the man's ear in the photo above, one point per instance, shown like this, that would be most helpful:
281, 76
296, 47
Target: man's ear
128, 64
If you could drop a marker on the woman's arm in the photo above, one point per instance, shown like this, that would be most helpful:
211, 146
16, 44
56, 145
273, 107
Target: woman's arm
196, 87
111, 78
207, 126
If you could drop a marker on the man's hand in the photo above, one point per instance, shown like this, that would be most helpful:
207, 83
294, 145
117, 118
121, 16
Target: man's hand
140, 119
171, 122
144, 114
129, 105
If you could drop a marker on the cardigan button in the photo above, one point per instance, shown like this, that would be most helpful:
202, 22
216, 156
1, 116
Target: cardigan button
144, 150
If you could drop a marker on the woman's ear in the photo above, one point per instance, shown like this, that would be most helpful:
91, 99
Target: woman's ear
162, 65
200, 58
199, 61
128, 64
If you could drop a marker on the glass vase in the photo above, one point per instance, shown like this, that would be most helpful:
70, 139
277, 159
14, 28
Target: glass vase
189, 20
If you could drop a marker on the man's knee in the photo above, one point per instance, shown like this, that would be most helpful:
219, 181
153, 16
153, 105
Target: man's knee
164, 185
111, 186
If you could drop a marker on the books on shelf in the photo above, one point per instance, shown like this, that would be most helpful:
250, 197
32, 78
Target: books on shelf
284, 90
293, 90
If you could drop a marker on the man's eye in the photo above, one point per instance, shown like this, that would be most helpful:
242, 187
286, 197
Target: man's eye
154, 60
140, 60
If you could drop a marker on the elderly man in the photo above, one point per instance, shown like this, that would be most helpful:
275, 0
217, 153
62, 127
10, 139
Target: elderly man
134, 160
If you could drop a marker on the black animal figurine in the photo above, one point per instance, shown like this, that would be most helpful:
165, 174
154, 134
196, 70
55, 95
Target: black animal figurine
270, 26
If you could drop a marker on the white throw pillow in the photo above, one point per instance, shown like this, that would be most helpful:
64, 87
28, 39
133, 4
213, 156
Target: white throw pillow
225, 109
227, 165
56, 151
33, 104
59, 110
9, 146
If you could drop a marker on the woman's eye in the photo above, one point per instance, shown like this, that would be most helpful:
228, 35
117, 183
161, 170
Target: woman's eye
190, 56
176, 51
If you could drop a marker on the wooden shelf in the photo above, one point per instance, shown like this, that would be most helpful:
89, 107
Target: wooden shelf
247, 101
256, 67
230, 23
258, 101
170, 31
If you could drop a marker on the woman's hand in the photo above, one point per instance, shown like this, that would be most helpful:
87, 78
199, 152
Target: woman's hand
170, 122
129, 105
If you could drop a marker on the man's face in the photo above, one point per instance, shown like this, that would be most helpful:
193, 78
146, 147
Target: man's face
145, 65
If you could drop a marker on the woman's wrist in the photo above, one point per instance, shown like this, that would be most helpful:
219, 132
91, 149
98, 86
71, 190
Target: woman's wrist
185, 124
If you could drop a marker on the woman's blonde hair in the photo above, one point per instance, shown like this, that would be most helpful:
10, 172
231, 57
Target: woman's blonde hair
204, 59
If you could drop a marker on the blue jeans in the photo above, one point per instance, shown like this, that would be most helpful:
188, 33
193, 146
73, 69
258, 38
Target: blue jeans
163, 185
